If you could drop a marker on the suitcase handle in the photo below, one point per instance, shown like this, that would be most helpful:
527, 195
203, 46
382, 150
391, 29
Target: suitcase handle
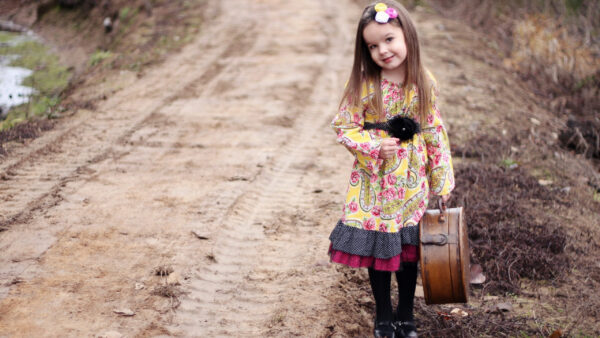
442, 206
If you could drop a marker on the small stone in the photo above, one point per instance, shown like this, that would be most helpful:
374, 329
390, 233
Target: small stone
139, 286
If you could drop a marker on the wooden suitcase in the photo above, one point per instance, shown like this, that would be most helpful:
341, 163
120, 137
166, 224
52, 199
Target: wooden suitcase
444, 253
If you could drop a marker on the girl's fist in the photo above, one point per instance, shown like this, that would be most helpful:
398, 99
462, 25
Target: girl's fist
389, 147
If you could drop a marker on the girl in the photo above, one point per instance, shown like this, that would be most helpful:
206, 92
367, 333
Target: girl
392, 178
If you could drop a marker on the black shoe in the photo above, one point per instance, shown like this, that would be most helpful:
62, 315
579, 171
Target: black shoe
384, 329
406, 329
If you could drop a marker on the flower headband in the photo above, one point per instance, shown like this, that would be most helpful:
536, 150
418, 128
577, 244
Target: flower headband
384, 13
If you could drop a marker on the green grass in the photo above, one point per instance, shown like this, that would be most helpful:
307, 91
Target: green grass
126, 14
508, 162
99, 56
6, 36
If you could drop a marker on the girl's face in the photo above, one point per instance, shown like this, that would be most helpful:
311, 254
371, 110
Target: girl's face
386, 45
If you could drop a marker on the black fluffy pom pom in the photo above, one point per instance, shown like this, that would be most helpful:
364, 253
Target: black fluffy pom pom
403, 128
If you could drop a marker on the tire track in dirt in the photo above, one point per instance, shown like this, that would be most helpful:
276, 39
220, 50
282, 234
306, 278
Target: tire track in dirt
247, 286
32, 183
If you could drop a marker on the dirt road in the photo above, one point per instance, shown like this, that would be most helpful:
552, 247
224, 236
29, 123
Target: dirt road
229, 140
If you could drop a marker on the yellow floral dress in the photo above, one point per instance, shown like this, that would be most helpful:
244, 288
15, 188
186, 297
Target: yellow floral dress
387, 198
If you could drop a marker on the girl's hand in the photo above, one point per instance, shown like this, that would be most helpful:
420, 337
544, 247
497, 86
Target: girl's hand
389, 147
445, 198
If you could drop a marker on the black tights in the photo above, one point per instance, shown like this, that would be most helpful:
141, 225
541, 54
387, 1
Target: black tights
380, 285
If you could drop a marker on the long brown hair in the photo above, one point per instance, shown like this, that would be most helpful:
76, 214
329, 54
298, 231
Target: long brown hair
366, 71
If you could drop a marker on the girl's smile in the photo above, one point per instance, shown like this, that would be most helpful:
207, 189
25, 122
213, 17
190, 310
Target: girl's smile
387, 48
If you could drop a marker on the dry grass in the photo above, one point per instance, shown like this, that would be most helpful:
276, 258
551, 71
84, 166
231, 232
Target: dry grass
554, 46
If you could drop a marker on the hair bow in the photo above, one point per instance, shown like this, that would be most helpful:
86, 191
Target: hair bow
383, 13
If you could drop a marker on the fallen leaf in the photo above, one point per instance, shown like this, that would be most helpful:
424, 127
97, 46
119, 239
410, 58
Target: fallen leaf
504, 307
459, 312
419, 292
556, 334
199, 235
366, 300
323, 262
124, 312
476, 274
174, 278
444, 315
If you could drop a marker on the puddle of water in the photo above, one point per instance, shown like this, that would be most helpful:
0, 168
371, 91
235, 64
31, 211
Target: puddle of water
12, 93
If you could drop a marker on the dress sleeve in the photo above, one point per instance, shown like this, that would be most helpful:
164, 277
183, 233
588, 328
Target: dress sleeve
348, 124
440, 172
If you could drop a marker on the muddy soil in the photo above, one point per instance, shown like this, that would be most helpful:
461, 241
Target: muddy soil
197, 200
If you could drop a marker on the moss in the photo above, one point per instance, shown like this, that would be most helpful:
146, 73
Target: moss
6, 36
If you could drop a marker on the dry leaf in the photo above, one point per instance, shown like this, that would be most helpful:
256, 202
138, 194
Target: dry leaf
124, 312
504, 307
199, 235
556, 334
459, 312
174, 278
477, 276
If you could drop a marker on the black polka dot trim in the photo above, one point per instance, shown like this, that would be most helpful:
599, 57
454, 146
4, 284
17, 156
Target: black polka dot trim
372, 243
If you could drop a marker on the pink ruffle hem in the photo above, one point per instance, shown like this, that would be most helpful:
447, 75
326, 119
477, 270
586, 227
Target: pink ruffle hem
410, 253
